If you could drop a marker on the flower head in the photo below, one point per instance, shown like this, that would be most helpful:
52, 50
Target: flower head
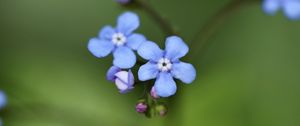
165, 65
121, 41
2, 100
124, 80
291, 8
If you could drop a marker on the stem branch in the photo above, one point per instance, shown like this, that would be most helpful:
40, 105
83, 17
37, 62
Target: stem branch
165, 26
210, 28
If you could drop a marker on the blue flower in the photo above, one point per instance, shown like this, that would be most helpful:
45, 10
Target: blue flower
291, 8
124, 80
164, 65
121, 41
3, 100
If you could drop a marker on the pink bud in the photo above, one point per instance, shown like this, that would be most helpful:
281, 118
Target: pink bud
153, 93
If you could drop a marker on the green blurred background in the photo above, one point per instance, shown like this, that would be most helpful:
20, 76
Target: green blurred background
248, 74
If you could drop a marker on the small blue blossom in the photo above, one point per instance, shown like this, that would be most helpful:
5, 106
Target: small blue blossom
124, 80
165, 65
121, 41
291, 8
3, 100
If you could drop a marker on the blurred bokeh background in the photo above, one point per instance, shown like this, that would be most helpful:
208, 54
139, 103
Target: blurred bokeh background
248, 74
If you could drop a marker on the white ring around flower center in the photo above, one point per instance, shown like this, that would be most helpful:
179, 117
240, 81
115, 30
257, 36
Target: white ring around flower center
119, 39
164, 64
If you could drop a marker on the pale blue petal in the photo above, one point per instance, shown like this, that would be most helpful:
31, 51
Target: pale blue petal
165, 85
3, 100
150, 51
175, 48
135, 40
128, 22
184, 72
110, 75
271, 6
100, 48
147, 71
106, 33
130, 78
124, 57
292, 9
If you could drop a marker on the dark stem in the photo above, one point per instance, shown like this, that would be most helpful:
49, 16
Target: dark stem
161, 21
210, 28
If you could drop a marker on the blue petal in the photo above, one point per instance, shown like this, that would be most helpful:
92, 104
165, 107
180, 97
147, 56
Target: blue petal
135, 40
165, 86
124, 81
175, 48
2, 99
110, 75
147, 71
271, 6
128, 22
130, 78
106, 33
150, 51
184, 72
292, 9
100, 48
124, 57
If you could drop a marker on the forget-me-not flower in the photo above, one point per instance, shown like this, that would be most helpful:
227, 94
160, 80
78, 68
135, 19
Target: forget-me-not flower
124, 80
291, 8
121, 41
2, 100
164, 65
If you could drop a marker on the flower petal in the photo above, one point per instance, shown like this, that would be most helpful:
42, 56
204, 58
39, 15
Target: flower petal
128, 22
122, 86
165, 85
130, 78
106, 33
271, 6
150, 51
147, 71
184, 72
124, 57
135, 40
175, 48
100, 48
110, 75
292, 9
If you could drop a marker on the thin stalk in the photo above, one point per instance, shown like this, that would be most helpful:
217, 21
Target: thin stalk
165, 26
202, 37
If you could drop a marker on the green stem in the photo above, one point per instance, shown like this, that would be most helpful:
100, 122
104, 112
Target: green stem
161, 21
210, 28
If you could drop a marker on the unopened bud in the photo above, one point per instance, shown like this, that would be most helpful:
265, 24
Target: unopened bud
141, 107
161, 110
123, 1
153, 93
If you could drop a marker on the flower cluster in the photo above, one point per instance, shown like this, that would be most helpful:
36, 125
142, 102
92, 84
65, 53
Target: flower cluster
161, 65
291, 8
2, 102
